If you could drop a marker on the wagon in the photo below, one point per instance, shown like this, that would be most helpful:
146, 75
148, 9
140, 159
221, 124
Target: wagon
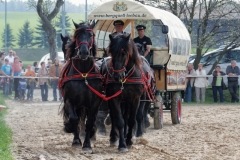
169, 52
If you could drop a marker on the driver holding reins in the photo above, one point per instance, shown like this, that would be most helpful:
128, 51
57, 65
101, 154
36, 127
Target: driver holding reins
144, 41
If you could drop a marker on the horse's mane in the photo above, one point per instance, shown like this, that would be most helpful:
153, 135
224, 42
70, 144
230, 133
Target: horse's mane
120, 42
77, 32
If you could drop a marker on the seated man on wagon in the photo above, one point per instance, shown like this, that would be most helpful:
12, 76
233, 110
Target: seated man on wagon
118, 25
144, 41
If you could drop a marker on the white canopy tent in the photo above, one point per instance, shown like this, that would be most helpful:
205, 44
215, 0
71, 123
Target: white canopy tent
179, 42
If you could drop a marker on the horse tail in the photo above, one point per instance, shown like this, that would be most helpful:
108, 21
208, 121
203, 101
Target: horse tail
64, 112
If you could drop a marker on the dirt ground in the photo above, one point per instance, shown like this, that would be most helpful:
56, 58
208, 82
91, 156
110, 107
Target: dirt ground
206, 132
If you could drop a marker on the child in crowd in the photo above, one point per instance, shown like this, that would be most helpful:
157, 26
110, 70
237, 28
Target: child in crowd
30, 83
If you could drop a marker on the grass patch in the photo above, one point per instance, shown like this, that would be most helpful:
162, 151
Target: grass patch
5, 135
25, 63
194, 50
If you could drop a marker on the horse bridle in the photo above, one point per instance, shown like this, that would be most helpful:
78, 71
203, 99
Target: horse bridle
78, 44
130, 72
125, 65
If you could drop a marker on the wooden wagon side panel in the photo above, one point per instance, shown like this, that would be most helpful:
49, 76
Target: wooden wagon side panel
160, 79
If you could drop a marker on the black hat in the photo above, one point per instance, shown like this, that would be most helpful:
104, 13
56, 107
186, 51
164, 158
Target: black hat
140, 27
118, 22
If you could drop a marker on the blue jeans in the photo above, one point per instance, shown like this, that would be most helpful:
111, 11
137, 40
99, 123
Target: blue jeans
188, 92
54, 86
30, 90
233, 86
44, 91
220, 91
7, 86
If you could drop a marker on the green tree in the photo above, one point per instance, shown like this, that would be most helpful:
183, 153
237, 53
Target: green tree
10, 37
40, 40
25, 36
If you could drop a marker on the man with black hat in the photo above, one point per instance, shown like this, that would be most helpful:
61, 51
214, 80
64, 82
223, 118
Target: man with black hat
144, 41
118, 27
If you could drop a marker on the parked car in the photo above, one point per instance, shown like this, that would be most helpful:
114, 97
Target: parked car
47, 56
192, 57
209, 59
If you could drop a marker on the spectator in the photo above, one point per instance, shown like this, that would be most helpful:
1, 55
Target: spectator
10, 57
23, 69
6, 70
43, 72
34, 67
14, 54
2, 54
233, 71
31, 83
16, 71
54, 72
1, 63
217, 84
49, 64
189, 82
200, 83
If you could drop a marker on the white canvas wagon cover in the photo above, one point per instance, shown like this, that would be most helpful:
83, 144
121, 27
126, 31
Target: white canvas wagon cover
128, 10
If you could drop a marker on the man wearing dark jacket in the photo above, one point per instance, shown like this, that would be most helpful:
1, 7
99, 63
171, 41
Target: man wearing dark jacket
233, 72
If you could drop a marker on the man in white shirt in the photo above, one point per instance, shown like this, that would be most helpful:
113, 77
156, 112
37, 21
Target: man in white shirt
10, 57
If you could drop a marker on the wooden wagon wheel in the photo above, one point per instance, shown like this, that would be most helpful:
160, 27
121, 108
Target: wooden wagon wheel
176, 109
158, 113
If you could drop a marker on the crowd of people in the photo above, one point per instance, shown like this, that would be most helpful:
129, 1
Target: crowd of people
197, 81
11, 67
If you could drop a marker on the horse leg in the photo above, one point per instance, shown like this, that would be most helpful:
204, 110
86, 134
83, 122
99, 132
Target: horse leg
113, 133
117, 118
125, 111
90, 130
73, 121
131, 121
145, 115
82, 122
69, 125
101, 116
139, 119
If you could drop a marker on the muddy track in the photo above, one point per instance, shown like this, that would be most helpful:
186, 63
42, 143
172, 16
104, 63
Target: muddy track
206, 132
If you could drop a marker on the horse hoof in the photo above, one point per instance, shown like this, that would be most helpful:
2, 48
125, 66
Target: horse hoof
76, 143
102, 133
139, 135
93, 139
83, 134
114, 144
122, 149
129, 146
87, 150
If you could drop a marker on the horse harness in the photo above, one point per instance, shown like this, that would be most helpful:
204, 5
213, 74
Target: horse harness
94, 73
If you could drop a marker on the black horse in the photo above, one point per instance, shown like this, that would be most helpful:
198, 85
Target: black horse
66, 41
123, 75
79, 72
